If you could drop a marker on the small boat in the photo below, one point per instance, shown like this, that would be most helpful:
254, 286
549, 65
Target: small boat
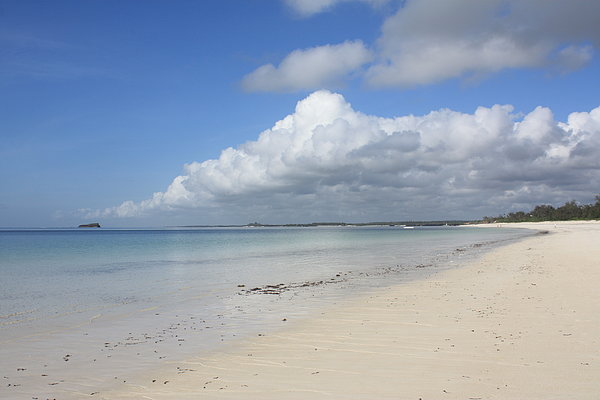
409, 227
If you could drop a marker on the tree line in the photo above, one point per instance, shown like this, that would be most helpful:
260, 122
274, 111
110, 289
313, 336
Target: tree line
569, 211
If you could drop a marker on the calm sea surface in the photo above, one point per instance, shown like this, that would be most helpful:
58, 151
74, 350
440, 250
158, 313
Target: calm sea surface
49, 274
77, 290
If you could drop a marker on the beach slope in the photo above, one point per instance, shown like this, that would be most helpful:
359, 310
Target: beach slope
521, 322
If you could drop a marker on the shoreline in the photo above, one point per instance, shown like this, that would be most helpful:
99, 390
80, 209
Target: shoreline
109, 351
519, 322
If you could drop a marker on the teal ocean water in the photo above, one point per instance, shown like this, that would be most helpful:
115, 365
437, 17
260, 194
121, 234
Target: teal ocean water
125, 298
49, 274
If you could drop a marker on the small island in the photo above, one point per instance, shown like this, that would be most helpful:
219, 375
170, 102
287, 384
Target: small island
92, 225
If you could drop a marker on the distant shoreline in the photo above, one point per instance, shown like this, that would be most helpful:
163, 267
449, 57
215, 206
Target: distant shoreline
317, 224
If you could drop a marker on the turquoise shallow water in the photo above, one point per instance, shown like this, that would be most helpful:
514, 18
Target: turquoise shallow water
47, 276
122, 301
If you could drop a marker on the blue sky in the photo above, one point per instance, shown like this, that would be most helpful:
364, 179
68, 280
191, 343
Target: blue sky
103, 103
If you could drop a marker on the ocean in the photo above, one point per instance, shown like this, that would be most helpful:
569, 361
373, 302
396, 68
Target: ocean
111, 303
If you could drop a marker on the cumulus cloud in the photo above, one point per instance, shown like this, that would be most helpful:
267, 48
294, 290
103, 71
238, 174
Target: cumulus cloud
328, 161
307, 8
310, 68
429, 41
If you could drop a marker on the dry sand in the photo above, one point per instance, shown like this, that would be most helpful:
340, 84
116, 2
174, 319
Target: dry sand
521, 322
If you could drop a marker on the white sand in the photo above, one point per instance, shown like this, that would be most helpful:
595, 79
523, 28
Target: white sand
522, 322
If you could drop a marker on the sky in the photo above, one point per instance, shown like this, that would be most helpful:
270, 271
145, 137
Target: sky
152, 113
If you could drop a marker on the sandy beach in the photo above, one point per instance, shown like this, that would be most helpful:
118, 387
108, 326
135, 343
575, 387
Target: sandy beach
521, 322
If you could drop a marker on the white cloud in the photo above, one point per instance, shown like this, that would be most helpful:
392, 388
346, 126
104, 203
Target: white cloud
418, 62
310, 68
428, 41
328, 161
307, 8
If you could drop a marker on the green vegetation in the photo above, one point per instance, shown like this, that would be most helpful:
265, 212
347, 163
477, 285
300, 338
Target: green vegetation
569, 211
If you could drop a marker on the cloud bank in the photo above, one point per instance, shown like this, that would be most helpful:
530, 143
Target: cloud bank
428, 41
327, 161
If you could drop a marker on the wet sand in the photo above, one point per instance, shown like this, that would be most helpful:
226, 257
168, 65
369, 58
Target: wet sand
521, 322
